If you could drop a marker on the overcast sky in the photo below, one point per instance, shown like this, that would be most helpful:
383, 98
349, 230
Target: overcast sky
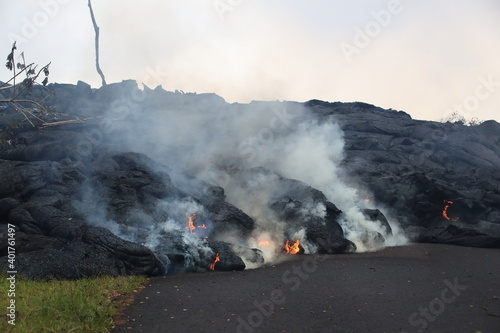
426, 57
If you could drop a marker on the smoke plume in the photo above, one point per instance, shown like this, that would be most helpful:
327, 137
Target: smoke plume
245, 149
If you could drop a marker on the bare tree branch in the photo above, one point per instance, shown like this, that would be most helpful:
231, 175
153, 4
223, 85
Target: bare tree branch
96, 28
33, 79
33, 111
5, 84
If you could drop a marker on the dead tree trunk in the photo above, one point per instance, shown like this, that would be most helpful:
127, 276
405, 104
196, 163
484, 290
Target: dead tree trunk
96, 28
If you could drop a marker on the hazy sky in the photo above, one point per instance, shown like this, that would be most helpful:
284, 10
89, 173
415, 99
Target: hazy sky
426, 57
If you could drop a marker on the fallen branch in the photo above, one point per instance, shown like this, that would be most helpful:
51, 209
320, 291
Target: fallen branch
25, 116
71, 121
13, 101
36, 113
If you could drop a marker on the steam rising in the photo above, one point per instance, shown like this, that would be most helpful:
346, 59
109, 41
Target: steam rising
142, 228
202, 137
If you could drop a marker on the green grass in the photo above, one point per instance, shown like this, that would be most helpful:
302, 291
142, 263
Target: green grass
86, 305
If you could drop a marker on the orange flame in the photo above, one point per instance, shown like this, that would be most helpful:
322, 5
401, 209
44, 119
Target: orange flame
191, 219
191, 225
217, 259
445, 211
292, 249
264, 243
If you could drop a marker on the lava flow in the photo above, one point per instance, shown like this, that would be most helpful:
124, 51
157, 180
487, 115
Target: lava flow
217, 259
445, 211
292, 249
191, 219
191, 225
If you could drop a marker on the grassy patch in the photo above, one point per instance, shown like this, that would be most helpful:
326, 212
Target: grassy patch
86, 305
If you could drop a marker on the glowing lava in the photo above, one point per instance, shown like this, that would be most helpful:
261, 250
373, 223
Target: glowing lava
292, 249
445, 211
191, 219
217, 259
191, 225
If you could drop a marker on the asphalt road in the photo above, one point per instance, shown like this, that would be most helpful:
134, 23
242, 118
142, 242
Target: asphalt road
416, 288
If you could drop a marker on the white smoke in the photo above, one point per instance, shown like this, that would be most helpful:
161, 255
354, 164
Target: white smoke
208, 139
140, 227
312, 153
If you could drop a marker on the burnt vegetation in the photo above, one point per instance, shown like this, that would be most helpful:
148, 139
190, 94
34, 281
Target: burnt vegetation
17, 93
457, 118
26, 98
